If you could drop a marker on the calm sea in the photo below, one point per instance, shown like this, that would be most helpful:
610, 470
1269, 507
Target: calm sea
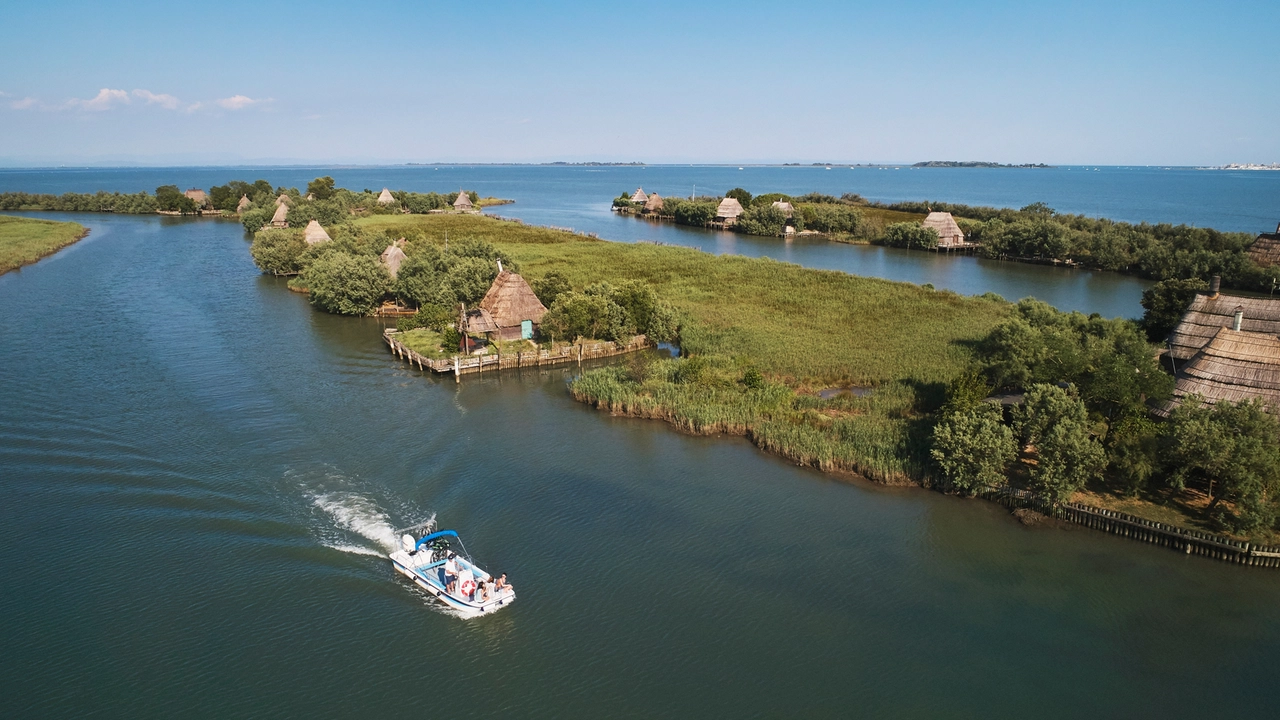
199, 474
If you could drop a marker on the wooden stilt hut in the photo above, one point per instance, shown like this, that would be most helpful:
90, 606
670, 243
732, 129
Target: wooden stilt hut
728, 211
281, 218
639, 196
386, 198
243, 204
950, 237
463, 202
315, 234
653, 206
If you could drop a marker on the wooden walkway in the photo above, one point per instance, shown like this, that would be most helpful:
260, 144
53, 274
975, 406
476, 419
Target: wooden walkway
1191, 542
461, 365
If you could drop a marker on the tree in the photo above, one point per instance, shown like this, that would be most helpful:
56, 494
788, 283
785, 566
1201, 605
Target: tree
347, 284
170, 198
763, 220
321, 188
254, 220
278, 251
645, 312
421, 277
584, 315
694, 213
909, 234
466, 280
1164, 304
742, 196
1056, 424
973, 448
551, 286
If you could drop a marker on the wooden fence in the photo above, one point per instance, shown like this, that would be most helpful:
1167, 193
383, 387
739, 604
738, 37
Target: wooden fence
1191, 542
465, 364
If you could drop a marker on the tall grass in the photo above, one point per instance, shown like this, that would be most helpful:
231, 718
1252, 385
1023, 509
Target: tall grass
26, 240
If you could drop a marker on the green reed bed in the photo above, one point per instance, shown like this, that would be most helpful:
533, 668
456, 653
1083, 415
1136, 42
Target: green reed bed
26, 240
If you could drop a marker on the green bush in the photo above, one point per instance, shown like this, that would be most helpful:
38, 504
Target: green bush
581, 315
1056, 424
909, 235
347, 284
278, 251
762, 220
973, 448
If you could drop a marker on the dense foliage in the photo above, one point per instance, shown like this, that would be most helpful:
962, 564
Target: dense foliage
133, 204
973, 448
910, 235
278, 251
602, 311
1165, 303
346, 284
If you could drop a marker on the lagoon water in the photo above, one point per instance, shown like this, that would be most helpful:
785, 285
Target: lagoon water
198, 474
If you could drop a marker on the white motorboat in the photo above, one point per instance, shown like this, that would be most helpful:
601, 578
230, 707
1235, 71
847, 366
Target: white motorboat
428, 558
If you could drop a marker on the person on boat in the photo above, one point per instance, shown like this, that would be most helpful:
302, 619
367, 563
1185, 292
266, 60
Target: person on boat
451, 573
482, 592
500, 585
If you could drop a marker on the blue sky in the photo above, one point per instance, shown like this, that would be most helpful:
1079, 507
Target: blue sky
226, 83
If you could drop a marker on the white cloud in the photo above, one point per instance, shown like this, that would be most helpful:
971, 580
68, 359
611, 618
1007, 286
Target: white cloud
237, 102
194, 107
168, 102
24, 104
105, 98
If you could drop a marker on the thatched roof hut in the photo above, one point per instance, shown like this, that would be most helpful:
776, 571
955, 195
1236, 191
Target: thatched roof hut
480, 322
1265, 251
197, 196
315, 234
281, 218
1211, 311
1233, 366
728, 211
393, 256
385, 197
785, 207
949, 234
511, 302
284, 199
463, 202
653, 204
639, 196
244, 203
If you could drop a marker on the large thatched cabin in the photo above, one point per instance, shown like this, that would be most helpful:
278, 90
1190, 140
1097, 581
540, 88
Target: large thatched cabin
1233, 366
728, 211
315, 234
1265, 251
386, 198
1212, 311
281, 218
639, 196
949, 233
463, 202
198, 196
787, 208
511, 307
653, 205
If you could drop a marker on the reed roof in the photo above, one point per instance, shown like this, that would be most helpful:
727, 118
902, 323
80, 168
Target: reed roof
197, 195
385, 197
949, 232
244, 203
1265, 251
281, 217
463, 201
315, 233
639, 196
392, 257
1233, 366
284, 199
654, 203
1209, 313
480, 321
511, 301
785, 207
729, 208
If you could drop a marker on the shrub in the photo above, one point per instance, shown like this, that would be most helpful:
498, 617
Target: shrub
762, 220
551, 286
908, 235
973, 448
585, 315
347, 284
278, 251
1056, 424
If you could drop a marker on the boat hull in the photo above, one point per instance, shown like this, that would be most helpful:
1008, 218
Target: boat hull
428, 582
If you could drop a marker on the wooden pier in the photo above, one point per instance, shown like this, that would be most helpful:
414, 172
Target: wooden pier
461, 365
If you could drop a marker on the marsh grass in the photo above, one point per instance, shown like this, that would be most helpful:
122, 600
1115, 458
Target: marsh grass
804, 329
26, 240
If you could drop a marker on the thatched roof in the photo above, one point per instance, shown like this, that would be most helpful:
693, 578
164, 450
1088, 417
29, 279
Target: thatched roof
1233, 366
244, 203
1265, 251
281, 218
480, 321
948, 231
785, 207
393, 256
729, 209
638, 196
197, 195
315, 234
284, 199
385, 197
463, 202
1209, 313
654, 203
511, 301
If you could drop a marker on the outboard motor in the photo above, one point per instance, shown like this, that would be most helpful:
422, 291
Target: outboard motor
408, 543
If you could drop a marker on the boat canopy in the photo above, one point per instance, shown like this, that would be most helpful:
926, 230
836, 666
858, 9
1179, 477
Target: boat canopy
433, 536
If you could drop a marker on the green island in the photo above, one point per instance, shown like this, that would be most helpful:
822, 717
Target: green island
26, 240
898, 383
1035, 233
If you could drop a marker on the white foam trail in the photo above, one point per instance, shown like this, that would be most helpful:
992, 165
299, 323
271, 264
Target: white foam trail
355, 550
359, 515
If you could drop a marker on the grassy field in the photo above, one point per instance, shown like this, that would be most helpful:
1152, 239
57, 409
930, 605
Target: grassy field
26, 240
803, 329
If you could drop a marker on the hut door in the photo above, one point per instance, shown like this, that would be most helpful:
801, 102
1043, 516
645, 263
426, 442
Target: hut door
526, 329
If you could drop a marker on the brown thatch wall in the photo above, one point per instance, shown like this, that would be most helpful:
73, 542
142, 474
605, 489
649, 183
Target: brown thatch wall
639, 196
463, 202
244, 203
281, 218
729, 209
1208, 314
1265, 251
511, 301
392, 257
653, 204
1233, 366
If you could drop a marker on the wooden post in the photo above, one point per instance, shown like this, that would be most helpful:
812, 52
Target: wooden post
457, 372
579, 355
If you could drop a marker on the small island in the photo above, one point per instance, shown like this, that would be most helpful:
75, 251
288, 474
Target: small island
26, 240
973, 164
